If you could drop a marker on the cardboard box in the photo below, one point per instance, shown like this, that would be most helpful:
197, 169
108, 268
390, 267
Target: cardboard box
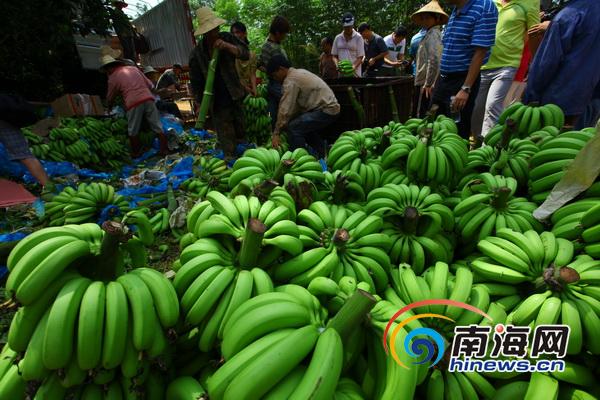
77, 104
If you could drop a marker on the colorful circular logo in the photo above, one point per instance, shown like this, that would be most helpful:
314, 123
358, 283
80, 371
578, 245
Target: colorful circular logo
422, 343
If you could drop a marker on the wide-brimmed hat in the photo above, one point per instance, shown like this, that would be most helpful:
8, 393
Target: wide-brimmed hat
432, 7
207, 20
148, 69
106, 50
107, 59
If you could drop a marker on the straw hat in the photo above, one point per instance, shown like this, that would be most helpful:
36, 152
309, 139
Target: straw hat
106, 50
432, 7
207, 21
107, 59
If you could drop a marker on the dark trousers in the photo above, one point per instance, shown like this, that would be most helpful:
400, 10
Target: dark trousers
274, 93
228, 121
305, 129
449, 85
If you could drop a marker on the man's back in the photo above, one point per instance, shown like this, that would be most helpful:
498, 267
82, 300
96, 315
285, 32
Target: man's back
132, 84
312, 92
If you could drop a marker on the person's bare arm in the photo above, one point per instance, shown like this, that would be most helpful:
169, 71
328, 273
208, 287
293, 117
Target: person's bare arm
378, 57
462, 97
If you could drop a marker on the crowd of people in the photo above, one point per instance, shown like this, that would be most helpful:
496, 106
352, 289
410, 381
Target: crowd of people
470, 62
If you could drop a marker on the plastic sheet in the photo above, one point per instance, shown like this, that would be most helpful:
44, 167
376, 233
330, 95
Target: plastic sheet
169, 121
11, 237
202, 134
580, 175
108, 213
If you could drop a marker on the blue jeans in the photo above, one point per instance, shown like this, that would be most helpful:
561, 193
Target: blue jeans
305, 129
274, 93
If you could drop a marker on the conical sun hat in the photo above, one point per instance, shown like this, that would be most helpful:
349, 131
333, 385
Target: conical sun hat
432, 7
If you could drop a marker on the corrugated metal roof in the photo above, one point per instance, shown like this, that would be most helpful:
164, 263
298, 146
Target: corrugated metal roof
168, 29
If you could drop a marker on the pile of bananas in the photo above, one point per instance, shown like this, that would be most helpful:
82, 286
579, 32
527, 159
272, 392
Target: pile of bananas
81, 319
84, 204
287, 277
257, 119
259, 165
488, 203
548, 165
36, 144
210, 173
346, 69
528, 120
416, 222
86, 142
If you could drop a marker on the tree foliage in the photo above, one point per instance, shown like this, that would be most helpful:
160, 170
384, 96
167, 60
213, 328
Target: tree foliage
37, 47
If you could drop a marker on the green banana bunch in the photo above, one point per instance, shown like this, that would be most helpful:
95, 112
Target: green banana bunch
346, 68
578, 222
416, 221
342, 187
548, 165
67, 319
338, 243
532, 118
266, 230
160, 221
436, 155
257, 165
210, 173
356, 152
512, 162
566, 285
211, 287
264, 343
185, 388
488, 203
84, 204
261, 90
257, 120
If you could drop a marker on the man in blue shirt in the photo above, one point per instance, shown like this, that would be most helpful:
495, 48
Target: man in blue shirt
468, 37
566, 67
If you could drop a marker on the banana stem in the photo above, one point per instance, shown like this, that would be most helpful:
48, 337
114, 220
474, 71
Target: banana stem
352, 313
411, 218
282, 169
432, 113
393, 104
208, 90
507, 133
358, 108
108, 259
264, 189
255, 231
501, 198
340, 237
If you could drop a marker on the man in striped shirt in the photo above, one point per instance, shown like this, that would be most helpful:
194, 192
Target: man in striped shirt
468, 37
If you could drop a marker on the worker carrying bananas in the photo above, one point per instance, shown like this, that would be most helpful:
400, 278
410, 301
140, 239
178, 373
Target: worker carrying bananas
135, 88
227, 91
307, 106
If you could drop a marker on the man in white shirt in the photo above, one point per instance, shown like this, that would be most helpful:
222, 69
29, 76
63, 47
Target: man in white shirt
396, 45
349, 45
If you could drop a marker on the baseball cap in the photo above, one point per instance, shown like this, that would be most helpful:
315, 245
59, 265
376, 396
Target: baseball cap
348, 19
